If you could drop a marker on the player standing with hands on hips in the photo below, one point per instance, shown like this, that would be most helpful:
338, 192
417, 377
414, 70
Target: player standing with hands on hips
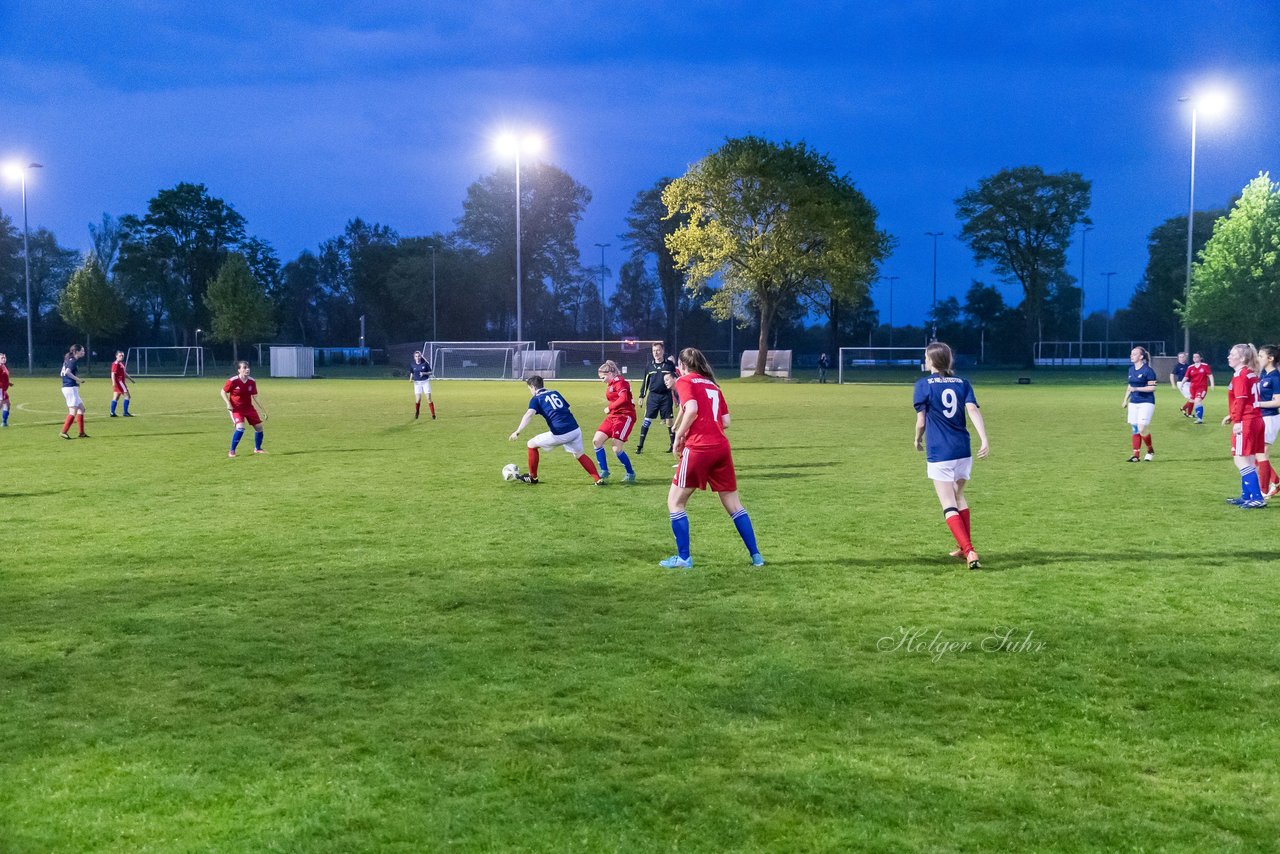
941, 401
119, 384
71, 391
240, 394
420, 374
705, 459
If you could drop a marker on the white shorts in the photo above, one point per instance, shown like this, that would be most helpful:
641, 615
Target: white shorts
1271, 424
422, 387
1141, 413
571, 442
1185, 388
72, 394
951, 470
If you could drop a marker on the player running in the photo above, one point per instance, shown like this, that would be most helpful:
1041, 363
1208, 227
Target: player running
119, 384
658, 392
240, 394
5, 382
1269, 403
564, 431
620, 417
420, 376
1248, 435
1178, 379
1140, 400
71, 391
941, 401
705, 458
1199, 382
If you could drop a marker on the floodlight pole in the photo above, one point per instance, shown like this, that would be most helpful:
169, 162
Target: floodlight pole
1191, 219
519, 297
26, 264
1107, 334
933, 310
1084, 234
602, 247
435, 336
891, 280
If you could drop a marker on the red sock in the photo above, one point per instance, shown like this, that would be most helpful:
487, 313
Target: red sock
417, 408
956, 524
66, 425
590, 465
533, 462
964, 514
432, 406
1137, 442
1265, 474
80, 421
1149, 448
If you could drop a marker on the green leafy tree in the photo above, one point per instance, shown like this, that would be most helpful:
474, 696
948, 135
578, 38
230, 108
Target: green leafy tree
89, 302
1153, 310
1235, 286
107, 236
774, 222
1021, 220
238, 306
354, 270
649, 224
635, 302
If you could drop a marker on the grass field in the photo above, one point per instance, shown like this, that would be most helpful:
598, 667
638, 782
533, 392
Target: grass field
365, 640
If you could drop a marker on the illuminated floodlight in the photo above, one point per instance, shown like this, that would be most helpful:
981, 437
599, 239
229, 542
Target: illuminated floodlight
511, 144
13, 171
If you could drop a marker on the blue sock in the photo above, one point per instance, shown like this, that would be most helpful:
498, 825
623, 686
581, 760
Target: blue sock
126, 406
113, 406
680, 527
742, 522
1200, 413
1249, 483
626, 462
1134, 429
235, 438
602, 462
6, 415
257, 440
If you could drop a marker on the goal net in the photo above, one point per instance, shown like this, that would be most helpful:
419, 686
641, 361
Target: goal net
578, 360
854, 361
165, 361
478, 360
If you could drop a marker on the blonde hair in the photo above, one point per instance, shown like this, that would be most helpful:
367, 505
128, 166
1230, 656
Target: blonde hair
609, 367
1245, 352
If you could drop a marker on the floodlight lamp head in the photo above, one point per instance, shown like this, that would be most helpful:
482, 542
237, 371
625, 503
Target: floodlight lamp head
1213, 102
13, 171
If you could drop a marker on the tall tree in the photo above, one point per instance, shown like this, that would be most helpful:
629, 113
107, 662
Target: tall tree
1153, 311
649, 224
107, 237
90, 304
635, 302
1235, 286
353, 270
1021, 221
296, 298
238, 306
774, 222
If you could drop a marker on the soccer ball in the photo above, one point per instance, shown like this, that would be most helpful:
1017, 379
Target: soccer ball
510, 471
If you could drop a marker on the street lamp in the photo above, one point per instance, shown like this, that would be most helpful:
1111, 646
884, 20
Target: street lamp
1212, 103
890, 280
18, 171
602, 247
934, 310
1084, 233
513, 145
1107, 333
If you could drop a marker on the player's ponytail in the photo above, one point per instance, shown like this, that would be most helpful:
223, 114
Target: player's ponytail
940, 357
692, 359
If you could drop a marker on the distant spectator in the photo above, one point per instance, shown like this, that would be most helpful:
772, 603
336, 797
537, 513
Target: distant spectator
824, 365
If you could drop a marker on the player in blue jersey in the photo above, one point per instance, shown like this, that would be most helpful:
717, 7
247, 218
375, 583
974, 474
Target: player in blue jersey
564, 431
1140, 401
71, 391
1182, 385
420, 375
941, 401
1269, 403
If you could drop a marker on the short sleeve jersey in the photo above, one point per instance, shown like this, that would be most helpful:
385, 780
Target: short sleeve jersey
552, 406
241, 392
420, 371
618, 396
1180, 371
1244, 396
117, 371
1268, 388
69, 366
705, 431
655, 377
946, 432
4, 378
1138, 378
1198, 375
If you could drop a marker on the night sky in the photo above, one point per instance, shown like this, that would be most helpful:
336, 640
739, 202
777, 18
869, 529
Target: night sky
304, 116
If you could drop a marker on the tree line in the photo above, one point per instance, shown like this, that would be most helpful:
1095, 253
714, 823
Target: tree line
763, 237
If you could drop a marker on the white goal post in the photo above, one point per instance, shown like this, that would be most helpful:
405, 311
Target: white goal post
580, 359
165, 361
478, 360
853, 358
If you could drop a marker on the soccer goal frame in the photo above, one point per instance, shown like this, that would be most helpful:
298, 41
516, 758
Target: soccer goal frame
878, 357
512, 359
164, 361
580, 359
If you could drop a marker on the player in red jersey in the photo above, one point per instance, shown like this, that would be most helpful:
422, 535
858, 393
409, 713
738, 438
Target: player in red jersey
240, 394
5, 382
119, 384
619, 418
705, 460
1248, 435
1199, 379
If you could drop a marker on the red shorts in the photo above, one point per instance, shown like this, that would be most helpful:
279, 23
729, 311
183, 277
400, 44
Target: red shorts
120, 389
239, 416
1250, 440
4, 395
1199, 393
703, 467
617, 426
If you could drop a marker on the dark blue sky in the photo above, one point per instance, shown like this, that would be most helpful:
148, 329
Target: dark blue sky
304, 117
